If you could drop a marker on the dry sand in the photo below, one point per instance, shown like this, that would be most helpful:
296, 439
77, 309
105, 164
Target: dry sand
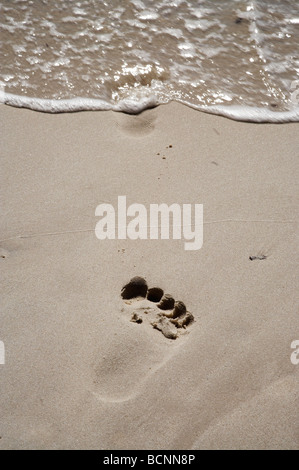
78, 373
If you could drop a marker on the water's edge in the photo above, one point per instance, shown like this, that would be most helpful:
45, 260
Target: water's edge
235, 58
235, 112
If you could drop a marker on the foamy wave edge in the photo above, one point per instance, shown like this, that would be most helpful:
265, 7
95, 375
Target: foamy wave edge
131, 106
78, 104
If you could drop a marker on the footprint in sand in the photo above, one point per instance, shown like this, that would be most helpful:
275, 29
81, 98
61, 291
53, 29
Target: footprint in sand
159, 309
140, 350
136, 125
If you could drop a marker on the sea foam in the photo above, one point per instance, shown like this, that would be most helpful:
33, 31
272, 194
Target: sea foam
229, 57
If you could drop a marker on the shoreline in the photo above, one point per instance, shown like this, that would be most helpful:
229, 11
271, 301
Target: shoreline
248, 114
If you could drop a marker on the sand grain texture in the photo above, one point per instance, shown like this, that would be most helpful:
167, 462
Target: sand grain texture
78, 372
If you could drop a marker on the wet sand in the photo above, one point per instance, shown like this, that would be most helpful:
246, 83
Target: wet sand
78, 373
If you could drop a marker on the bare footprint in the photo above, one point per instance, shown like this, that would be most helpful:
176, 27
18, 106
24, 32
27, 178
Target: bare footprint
140, 350
136, 125
160, 310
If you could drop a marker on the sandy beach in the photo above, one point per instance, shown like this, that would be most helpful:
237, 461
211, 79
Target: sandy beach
78, 373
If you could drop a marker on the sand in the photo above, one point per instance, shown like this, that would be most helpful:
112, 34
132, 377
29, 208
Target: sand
78, 373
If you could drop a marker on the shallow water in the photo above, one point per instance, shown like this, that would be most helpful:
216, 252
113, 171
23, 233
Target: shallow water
237, 58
